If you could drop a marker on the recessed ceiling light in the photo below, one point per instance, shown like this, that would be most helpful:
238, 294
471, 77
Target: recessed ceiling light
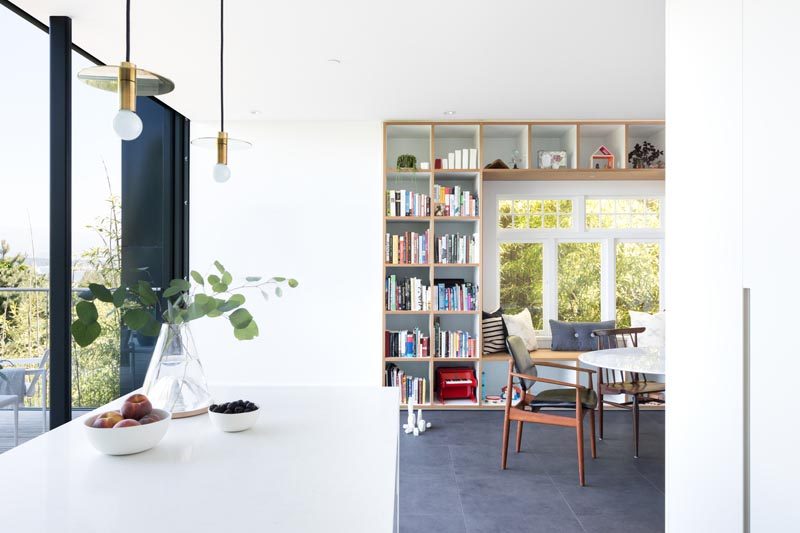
449, 112
335, 61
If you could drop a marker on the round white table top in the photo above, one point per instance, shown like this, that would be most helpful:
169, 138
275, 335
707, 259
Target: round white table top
641, 360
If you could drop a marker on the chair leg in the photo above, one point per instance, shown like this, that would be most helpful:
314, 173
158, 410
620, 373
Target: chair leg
519, 435
579, 432
636, 426
594, 444
600, 406
16, 424
506, 427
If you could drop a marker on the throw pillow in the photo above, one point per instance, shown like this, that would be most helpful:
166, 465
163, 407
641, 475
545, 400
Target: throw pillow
576, 336
521, 325
655, 328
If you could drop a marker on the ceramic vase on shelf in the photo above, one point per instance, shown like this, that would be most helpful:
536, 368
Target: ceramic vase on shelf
175, 379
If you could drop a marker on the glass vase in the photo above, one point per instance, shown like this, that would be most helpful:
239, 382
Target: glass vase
175, 378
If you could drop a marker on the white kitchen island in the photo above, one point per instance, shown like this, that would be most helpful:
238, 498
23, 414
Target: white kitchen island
318, 459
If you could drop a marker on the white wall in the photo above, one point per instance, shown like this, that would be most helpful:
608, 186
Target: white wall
704, 461
305, 202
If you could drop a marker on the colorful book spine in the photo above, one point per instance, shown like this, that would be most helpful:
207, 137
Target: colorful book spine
455, 344
458, 297
403, 203
409, 248
454, 202
406, 294
456, 249
410, 387
405, 343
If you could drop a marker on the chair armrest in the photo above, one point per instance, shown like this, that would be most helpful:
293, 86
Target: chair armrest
565, 367
547, 380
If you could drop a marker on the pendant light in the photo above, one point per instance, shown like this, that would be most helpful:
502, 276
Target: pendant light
222, 142
129, 82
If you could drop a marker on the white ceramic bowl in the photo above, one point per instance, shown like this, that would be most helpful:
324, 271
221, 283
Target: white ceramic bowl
128, 440
234, 422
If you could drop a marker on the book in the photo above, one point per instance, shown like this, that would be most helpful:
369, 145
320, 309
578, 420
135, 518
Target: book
465, 158
454, 201
409, 248
412, 387
454, 344
406, 294
450, 295
406, 343
473, 158
403, 203
451, 160
456, 249
457, 157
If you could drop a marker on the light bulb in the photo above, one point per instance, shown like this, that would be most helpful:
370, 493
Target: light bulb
221, 173
127, 124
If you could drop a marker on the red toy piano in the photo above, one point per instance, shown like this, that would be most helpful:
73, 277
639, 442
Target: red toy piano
456, 383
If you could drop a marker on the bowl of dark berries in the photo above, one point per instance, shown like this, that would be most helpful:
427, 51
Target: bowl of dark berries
234, 416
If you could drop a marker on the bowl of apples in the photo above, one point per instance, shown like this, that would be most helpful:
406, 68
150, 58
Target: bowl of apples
134, 428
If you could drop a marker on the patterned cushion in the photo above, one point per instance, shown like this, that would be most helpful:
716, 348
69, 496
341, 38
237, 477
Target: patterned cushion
493, 338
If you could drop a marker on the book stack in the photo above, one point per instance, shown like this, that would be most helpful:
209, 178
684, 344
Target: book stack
456, 248
405, 343
404, 203
410, 248
454, 296
455, 344
410, 386
461, 159
454, 202
406, 294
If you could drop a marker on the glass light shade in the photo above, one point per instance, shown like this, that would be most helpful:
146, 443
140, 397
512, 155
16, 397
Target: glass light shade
175, 379
127, 124
105, 77
221, 173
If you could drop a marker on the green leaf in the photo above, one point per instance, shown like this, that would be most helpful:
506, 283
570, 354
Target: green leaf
119, 297
278, 292
278, 279
293, 283
213, 279
136, 318
171, 291
219, 287
201, 299
233, 302
240, 318
219, 267
146, 293
180, 283
253, 279
195, 311
197, 277
84, 334
227, 278
247, 333
87, 312
214, 313
151, 329
212, 305
101, 292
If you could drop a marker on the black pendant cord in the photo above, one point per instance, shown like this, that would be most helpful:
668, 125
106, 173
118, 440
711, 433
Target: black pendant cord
221, 65
128, 31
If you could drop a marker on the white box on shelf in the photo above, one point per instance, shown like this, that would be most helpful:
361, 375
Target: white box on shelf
445, 164
465, 158
451, 160
424, 165
473, 158
458, 159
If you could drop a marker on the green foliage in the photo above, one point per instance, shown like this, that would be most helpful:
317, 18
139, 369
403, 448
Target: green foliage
406, 161
140, 307
579, 281
521, 279
637, 279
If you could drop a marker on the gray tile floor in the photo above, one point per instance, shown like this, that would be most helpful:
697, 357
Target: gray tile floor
450, 477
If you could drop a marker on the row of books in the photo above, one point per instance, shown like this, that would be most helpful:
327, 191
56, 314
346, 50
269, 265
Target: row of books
454, 202
455, 297
406, 294
453, 343
410, 248
404, 203
405, 343
456, 248
410, 387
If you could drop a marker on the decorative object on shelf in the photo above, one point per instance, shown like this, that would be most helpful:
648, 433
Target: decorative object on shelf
437, 163
554, 159
516, 395
222, 142
424, 166
129, 82
456, 383
516, 158
603, 156
497, 163
645, 155
406, 162
175, 379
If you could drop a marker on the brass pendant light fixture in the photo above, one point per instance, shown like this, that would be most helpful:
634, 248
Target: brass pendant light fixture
129, 82
222, 142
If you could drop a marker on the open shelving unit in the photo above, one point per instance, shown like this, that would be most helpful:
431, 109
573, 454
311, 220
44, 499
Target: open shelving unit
513, 142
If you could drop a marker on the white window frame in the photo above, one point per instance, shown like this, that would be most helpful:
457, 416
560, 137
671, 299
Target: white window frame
608, 239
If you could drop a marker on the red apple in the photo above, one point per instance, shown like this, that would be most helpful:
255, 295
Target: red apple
136, 406
107, 419
128, 422
149, 419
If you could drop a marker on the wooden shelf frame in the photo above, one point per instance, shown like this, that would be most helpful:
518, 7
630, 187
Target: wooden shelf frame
475, 225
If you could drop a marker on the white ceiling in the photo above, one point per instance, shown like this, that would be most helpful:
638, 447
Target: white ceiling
400, 60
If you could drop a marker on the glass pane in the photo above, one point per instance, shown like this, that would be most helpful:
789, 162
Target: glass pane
504, 206
550, 221
520, 222
579, 281
653, 205
606, 221
536, 221
520, 207
637, 279
564, 222
24, 211
607, 206
521, 276
592, 206
536, 206
505, 221
550, 206
592, 221
565, 206
96, 234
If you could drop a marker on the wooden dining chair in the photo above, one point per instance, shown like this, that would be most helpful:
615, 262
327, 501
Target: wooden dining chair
528, 409
632, 384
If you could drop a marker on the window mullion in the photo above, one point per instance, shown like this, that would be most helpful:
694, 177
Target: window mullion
550, 284
608, 278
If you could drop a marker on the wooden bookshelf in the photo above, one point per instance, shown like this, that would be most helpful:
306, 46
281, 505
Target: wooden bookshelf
428, 140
